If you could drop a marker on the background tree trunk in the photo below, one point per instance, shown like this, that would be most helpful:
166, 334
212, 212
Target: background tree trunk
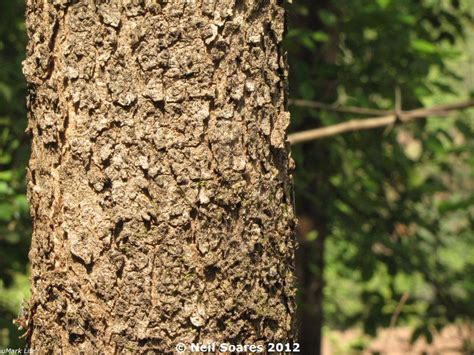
158, 179
315, 171
310, 269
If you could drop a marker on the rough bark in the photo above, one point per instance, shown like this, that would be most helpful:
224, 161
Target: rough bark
158, 178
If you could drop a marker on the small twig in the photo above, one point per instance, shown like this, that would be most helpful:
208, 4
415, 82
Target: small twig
398, 101
375, 122
395, 315
337, 108
398, 110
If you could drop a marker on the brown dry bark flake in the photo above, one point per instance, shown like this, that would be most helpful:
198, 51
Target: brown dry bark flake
158, 179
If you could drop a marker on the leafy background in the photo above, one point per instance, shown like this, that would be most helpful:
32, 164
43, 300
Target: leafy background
383, 213
15, 225
388, 211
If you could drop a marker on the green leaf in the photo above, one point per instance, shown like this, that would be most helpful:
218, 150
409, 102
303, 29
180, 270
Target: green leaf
5, 189
6, 175
384, 3
6, 212
308, 43
406, 19
327, 17
422, 46
6, 91
370, 34
320, 36
5, 159
312, 236
462, 204
22, 203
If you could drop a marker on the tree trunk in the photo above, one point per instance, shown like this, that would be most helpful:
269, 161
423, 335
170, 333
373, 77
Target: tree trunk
310, 268
158, 178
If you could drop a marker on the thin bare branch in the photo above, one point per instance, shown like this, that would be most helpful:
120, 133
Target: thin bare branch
394, 318
337, 108
375, 122
398, 100
398, 309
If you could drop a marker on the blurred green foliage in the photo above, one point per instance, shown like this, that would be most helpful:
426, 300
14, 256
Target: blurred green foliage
15, 226
397, 203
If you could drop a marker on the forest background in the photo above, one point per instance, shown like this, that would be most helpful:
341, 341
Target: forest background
386, 215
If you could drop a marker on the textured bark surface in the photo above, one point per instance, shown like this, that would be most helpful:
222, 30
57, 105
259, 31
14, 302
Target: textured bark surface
158, 179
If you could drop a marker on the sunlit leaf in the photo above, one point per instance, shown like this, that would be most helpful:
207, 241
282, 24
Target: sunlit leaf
320, 36
423, 46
